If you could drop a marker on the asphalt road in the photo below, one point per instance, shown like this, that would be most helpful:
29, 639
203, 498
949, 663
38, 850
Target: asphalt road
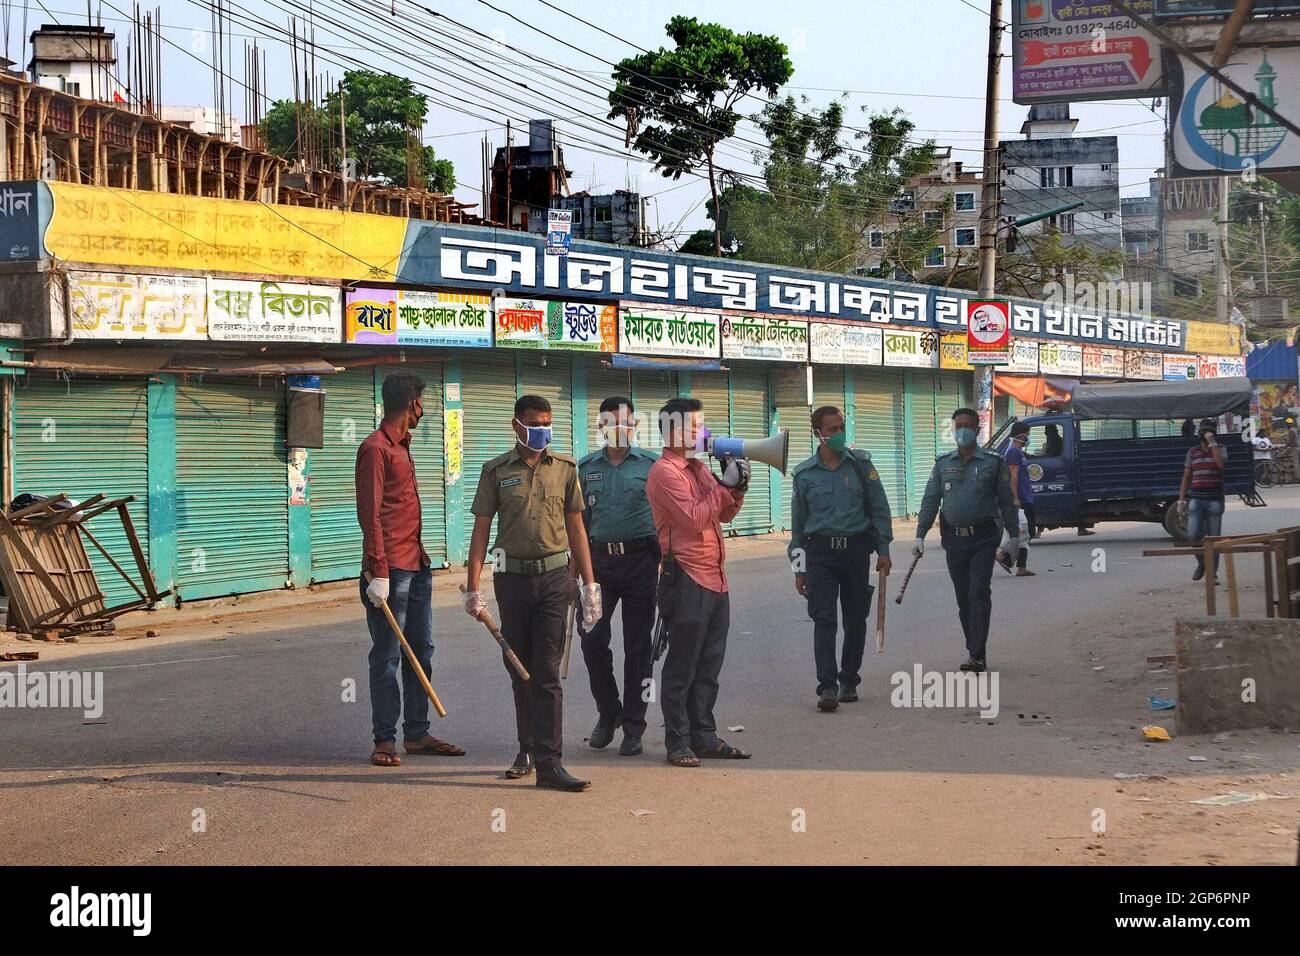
248, 734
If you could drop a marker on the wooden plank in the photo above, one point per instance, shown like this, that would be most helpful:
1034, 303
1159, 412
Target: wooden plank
1207, 556
108, 557
1192, 551
142, 565
1270, 603
1231, 567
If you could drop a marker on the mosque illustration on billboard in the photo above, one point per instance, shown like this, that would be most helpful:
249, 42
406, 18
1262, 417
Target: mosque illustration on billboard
1228, 127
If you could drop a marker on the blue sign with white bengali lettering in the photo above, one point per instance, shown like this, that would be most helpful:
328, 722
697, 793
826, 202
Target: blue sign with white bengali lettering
472, 257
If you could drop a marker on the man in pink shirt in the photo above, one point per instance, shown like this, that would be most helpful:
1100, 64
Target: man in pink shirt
689, 505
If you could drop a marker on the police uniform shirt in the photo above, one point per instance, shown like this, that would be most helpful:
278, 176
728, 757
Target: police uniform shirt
968, 492
828, 501
617, 506
530, 503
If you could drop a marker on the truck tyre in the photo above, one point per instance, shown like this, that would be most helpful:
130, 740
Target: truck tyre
1175, 523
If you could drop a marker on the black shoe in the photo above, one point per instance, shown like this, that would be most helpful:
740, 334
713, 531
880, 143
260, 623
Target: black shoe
1198, 574
828, 700
848, 695
522, 766
631, 745
601, 734
973, 664
557, 778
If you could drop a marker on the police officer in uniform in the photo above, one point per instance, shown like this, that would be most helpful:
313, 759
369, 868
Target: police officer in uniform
840, 515
970, 490
537, 500
625, 556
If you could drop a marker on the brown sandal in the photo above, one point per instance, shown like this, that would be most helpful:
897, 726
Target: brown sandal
385, 758
432, 747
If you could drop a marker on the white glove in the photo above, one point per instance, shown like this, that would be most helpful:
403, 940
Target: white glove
918, 547
377, 591
1013, 547
592, 608
474, 603
736, 474
1182, 507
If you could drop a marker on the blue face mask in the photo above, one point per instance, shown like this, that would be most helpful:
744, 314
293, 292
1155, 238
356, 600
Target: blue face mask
965, 437
539, 436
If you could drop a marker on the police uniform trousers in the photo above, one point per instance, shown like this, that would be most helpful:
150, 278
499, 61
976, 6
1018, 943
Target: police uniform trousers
838, 576
697, 644
970, 565
533, 608
627, 579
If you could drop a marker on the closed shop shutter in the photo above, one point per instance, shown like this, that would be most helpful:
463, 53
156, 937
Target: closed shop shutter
488, 396
82, 438
554, 382
650, 390
602, 383
232, 522
924, 445
1001, 410
428, 455
349, 418
878, 399
952, 391
749, 420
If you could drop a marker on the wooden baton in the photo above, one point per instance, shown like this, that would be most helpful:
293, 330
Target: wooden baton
415, 663
880, 613
907, 577
486, 617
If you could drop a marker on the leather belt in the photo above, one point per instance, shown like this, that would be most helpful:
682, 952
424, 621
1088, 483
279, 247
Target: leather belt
620, 548
971, 531
535, 566
837, 542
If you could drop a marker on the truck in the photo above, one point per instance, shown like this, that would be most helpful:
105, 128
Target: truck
1116, 451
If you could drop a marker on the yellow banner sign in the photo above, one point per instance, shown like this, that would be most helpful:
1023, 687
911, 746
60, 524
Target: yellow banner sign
952, 351
127, 227
1213, 338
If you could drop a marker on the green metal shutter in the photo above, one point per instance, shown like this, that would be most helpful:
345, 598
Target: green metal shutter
488, 396
650, 391
878, 400
85, 437
427, 453
602, 383
952, 391
1001, 410
349, 418
554, 382
749, 420
921, 453
232, 521
712, 388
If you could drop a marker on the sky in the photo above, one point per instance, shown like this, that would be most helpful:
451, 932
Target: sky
926, 57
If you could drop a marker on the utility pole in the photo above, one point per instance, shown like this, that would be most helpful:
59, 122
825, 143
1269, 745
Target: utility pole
990, 206
1224, 291
343, 158
1263, 243
510, 161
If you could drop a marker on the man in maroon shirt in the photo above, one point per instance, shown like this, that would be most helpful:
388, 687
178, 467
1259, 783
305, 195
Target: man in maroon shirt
689, 505
395, 568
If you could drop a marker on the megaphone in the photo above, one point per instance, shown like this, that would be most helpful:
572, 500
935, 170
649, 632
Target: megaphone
773, 451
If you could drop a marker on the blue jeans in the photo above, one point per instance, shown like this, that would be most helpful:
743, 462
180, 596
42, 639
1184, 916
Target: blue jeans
1204, 520
410, 596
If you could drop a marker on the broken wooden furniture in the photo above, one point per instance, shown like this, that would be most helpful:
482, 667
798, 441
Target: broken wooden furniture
1281, 559
46, 569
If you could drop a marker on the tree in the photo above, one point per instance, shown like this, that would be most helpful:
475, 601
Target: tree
822, 197
383, 116
1039, 259
687, 95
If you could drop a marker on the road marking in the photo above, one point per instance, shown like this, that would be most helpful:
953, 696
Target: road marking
183, 660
